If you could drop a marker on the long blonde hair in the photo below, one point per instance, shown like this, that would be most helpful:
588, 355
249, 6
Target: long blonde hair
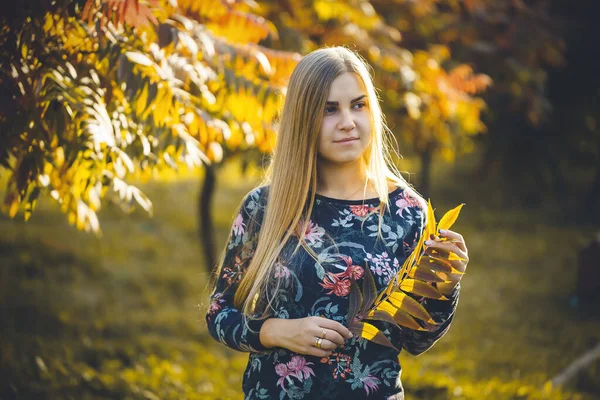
295, 160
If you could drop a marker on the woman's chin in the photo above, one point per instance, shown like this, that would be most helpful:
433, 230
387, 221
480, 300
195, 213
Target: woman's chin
340, 159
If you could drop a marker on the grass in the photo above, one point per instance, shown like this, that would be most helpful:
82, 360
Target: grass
118, 316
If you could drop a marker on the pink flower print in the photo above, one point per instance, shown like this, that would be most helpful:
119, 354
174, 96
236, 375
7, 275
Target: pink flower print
283, 371
300, 368
406, 201
338, 286
281, 271
355, 272
370, 383
215, 304
238, 225
362, 210
380, 264
313, 233
352, 271
233, 275
297, 367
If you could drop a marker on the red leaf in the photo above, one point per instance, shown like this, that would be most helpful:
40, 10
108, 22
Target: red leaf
354, 302
369, 290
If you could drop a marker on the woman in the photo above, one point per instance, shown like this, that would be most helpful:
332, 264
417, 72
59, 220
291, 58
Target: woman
299, 239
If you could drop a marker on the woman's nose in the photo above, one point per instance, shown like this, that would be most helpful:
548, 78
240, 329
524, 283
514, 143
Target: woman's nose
346, 121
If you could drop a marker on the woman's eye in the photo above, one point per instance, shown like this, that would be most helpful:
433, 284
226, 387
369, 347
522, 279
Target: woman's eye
329, 110
362, 105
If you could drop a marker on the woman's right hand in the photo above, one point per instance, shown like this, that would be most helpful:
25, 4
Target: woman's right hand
300, 335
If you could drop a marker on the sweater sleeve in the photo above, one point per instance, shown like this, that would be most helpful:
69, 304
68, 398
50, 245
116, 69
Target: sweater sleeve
441, 311
225, 322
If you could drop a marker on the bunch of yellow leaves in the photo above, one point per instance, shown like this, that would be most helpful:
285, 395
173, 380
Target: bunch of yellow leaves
416, 276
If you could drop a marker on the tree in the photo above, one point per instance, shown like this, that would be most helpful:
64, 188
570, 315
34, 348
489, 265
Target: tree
115, 87
93, 92
516, 43
429, 98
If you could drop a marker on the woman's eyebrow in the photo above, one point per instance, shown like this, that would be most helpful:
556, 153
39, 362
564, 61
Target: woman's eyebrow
335, 103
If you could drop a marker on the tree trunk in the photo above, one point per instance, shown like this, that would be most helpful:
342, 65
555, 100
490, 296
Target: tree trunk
205, 223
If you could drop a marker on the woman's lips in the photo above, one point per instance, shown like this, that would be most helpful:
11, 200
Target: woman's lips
346, 140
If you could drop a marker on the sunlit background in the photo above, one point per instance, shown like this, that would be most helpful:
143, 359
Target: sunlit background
130, 130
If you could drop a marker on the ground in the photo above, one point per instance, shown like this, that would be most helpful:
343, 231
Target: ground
122, 316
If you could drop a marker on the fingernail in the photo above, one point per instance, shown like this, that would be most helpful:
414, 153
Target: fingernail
428, 242
443, 231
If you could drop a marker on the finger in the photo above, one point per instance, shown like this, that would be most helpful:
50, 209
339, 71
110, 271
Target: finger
332, 336
327, 344
460, 240
443, 255
439, 253
334, 326
450, 247
313, 351
319, 352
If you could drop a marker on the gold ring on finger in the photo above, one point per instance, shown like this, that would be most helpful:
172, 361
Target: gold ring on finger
318, 343
324, 334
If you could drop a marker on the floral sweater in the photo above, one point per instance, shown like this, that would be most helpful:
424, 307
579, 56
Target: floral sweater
361, 369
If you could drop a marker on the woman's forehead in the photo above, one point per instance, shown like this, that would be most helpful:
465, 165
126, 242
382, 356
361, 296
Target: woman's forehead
346, 87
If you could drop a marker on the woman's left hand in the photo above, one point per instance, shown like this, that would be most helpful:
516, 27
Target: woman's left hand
455, 244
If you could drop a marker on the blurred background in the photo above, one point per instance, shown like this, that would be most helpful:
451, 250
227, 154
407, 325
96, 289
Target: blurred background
130, 130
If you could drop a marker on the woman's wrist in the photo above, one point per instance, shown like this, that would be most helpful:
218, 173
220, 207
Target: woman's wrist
265, 335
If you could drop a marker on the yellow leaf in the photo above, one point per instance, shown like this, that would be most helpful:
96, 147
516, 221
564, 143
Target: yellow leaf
24, 51
387, 307
431, 230
450, 217
406, 303
401, 317
14, 207
369, 331
436, 264
139, 58
421, 289
48, 23
425, 274
454, 257
59, 156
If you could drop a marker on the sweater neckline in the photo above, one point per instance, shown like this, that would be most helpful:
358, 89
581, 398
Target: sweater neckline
357, 201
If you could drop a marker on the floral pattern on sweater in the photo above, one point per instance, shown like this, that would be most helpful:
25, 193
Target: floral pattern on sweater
343, 233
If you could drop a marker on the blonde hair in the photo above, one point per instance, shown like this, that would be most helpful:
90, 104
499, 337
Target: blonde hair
295, 160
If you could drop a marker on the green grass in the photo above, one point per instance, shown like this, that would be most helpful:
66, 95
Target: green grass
118, 316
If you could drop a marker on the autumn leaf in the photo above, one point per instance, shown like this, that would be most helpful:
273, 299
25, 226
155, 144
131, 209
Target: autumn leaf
355, 299
411, 306
431, 226
421, 289
371, 333
369, 290
424, 274
394, 304
399, 316
450, 217
435, 264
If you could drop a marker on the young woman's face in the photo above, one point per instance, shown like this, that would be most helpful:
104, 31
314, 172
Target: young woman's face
346, 130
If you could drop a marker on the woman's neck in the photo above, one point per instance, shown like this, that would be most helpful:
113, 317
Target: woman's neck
342, 180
